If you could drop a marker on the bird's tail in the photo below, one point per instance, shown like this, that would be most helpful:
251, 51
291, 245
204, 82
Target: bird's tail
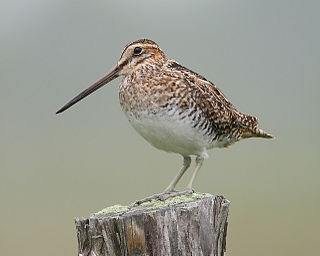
256, 132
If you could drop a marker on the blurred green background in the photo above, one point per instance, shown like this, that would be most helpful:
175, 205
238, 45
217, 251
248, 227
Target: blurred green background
264, 55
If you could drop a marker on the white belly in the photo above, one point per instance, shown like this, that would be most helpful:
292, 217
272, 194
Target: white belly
170, 134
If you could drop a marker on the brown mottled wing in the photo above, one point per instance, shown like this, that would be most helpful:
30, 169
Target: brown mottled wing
221, 103
232, 122
224, 117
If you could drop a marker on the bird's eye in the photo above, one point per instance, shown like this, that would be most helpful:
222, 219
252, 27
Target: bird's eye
137, 50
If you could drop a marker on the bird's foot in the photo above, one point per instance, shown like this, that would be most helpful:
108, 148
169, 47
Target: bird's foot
163, 196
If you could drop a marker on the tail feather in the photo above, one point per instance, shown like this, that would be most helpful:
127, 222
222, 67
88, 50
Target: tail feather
250, 128
263, 134
256, 132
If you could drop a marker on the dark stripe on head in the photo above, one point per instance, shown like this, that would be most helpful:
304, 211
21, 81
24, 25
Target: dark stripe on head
141, 41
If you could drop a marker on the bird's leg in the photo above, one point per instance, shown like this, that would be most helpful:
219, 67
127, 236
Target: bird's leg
185, 166
199, 161
170, 192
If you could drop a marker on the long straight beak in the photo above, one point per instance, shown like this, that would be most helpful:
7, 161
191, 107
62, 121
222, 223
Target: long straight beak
112, 74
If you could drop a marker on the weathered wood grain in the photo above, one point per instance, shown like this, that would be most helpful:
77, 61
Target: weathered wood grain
186, 225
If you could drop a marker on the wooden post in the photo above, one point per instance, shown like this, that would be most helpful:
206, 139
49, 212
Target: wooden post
193, 224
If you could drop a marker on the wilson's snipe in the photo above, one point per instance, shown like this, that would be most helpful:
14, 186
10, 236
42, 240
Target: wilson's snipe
174, 108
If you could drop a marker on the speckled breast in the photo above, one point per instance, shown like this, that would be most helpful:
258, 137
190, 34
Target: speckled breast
166, 116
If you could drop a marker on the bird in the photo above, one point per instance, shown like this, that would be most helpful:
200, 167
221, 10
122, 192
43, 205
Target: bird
174, 108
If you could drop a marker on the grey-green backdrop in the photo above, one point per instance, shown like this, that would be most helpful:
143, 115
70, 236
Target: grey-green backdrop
264, 55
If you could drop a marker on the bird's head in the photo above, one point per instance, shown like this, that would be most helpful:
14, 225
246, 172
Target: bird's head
138, 53
133, 56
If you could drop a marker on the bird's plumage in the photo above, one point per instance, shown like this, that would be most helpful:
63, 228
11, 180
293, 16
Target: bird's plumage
179, 101
172, 107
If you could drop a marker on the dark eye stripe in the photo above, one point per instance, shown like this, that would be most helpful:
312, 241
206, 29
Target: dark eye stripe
137, 50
